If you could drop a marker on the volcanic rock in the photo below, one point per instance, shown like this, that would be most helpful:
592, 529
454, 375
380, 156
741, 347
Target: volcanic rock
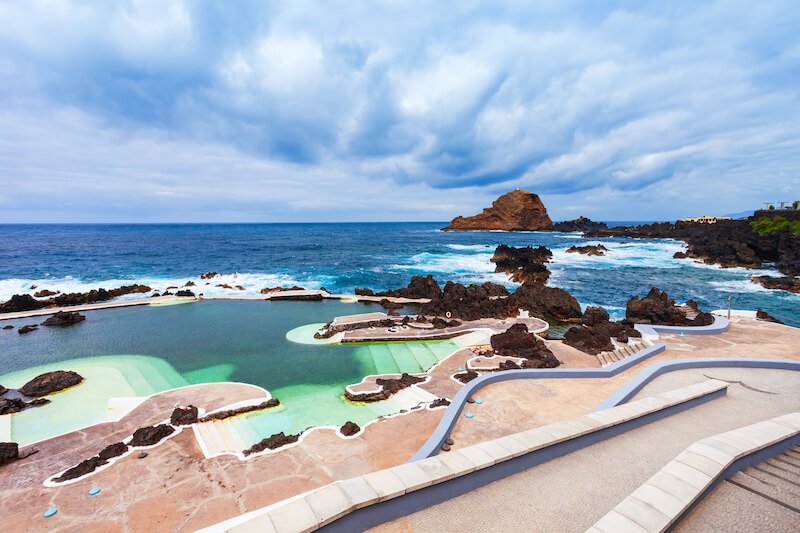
514, 211
658, 308
15, 405
209, 275
467, 303
81, 469
189, 284
9, 451
27, 328
183, 416
185, 293
147, 436
523, 264
441, 323
766, 317
595, 332
44, 293
64, 318
466, 377
439, 402
267, 290
508, 365
419, 287
594, 316
22, 302
272, 442
50, 382
9, 326
113, 450
3, 390
543, 301
389, 386
221, 415
589, 249
97, 295
516, 341
349, 429
784, 283
581, 224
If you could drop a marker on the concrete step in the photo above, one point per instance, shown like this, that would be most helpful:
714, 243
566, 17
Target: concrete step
767, 486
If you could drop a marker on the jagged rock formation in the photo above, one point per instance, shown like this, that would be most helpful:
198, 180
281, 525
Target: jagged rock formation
9, 452
272, 442
419, 287
183, 416
596, 330
784, 283
523, 264
544, 301
221, 415
728, 243
658, 308
50, 382
26, 302
147, 436
349, 429
581, 224
440, 402
267, 290
766, 317
389, 386
517, 342
44, 293
590, 249
466, 377
514, 211
15, 405
64, 318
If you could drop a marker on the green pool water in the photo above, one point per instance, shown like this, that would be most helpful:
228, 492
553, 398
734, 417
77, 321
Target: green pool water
203, 342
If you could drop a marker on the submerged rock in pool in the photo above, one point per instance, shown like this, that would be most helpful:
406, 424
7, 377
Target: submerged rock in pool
389, 386
27, 329
15, 405
51, 382
272, 442
147, 436
64, 318
183, 416
8, 327
349, 429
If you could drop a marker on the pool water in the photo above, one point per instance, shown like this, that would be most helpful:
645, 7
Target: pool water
202, 342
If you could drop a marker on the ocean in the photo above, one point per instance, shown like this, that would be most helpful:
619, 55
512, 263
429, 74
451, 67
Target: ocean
342, 256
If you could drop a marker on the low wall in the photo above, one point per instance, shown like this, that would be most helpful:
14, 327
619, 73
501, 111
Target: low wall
442, 431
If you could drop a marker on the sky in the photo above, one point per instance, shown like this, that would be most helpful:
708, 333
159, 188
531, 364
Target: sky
258, 111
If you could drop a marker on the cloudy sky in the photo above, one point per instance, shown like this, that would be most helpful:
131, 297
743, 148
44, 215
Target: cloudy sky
301, 111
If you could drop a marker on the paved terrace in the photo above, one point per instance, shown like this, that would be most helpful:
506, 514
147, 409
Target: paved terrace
572, 492
176, 489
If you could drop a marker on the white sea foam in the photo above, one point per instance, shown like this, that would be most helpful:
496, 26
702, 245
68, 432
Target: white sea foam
649, 254
252, 283
473, 247
466, 268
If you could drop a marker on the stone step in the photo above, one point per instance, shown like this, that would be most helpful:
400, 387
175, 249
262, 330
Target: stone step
766, 485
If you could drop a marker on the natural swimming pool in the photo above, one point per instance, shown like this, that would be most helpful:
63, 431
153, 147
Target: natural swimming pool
136, 351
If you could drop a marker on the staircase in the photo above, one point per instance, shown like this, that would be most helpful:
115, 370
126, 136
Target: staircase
620, 352
777, 479
690, 313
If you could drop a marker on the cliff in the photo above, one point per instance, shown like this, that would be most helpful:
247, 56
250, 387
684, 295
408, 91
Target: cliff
514, 211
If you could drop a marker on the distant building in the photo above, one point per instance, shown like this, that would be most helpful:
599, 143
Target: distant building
704, 219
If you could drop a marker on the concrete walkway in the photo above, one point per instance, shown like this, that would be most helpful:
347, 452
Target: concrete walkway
572, 492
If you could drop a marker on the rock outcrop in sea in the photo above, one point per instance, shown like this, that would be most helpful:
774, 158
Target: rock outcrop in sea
64, 318
589, 249
514, 211
581, 224
523, 264
783, 283
26, 302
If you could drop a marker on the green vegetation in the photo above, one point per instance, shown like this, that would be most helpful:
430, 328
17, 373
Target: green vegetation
775, 225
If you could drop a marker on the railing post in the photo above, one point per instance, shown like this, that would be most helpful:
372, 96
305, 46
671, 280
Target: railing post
730, 299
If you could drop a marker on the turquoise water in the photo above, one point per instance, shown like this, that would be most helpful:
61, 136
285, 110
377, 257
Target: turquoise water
203, 342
